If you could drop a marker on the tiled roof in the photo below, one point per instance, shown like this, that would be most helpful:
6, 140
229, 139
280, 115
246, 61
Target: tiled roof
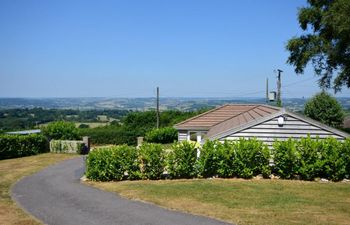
227, 117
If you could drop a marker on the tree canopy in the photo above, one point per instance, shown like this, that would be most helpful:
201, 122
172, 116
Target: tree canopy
325, 42
325, 108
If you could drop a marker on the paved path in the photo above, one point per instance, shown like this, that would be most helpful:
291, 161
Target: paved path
56, 197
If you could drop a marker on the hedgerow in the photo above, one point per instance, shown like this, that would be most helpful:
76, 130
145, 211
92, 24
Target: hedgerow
304, 159
14, 146
162, 135
152, 161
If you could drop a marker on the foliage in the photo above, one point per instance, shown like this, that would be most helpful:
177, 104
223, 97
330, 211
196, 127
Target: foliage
152, 161
112, 163
61, 130
110, 135
182, 160
22, 118
310, 158
63, 146
251, 158
286, 158
325, 42
136, 124
13, 146
325, 108
162, 135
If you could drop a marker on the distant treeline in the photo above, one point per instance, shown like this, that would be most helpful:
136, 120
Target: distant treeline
133, 125
17, 119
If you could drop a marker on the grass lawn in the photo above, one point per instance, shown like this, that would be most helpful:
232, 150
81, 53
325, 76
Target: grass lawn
245, 201
12, 170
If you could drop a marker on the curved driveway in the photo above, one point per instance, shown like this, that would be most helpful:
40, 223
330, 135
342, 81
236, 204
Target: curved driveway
56, 197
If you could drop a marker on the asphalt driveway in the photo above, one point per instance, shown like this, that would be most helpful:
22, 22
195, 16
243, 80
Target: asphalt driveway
56, 197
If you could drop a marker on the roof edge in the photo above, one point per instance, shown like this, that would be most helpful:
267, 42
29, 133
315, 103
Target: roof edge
283, 111
247, 125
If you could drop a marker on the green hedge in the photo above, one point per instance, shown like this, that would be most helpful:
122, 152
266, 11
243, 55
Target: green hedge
163, 135
242, 158
310, 158
112, 163
14, 146
182, 160
151, 160
304, 159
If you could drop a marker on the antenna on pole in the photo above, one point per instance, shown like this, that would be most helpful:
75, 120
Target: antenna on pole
157, 107
279, 101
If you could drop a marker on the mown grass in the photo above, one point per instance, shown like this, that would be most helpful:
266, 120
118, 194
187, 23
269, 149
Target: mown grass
245, 201
12, 170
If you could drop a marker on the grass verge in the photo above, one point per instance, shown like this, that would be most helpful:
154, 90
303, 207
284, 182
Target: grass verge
12, 170
245, 201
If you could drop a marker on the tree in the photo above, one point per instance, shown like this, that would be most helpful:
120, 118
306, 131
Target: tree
61, 130
325, 108
325, 43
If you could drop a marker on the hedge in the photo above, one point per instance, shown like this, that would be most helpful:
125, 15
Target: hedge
163, 135
14, 146
112, 163
304, 159
310, 158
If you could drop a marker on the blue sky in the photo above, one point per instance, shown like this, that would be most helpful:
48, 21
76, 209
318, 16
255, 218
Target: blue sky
190, 48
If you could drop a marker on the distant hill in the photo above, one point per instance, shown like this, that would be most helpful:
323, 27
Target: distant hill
184, 104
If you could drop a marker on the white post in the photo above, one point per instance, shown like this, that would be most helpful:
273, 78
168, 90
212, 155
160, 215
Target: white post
199, 137
199, 140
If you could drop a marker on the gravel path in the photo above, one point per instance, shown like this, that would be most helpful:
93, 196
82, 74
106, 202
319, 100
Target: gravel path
56, 197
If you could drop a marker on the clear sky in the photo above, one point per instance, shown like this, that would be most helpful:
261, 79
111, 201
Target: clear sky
190, 48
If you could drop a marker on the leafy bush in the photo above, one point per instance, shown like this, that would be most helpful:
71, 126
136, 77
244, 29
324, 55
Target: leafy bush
286, 158
210, 159
311, 158
325, 108
61, 130
182, 160
162, 135
333, 160
13, 146
110, 135
112, 163
152, 161
251, 158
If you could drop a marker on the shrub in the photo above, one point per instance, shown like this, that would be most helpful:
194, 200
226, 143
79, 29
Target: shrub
333, 160
182, 160
211, 161
251, 158
13, 146
162, 135
346, 155
325, 108
152, 161
286, 158
112, 163
310, 158
110, 135
61, 130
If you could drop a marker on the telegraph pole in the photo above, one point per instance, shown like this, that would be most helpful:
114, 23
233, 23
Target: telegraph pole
157, 107
279, 101
267, 90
